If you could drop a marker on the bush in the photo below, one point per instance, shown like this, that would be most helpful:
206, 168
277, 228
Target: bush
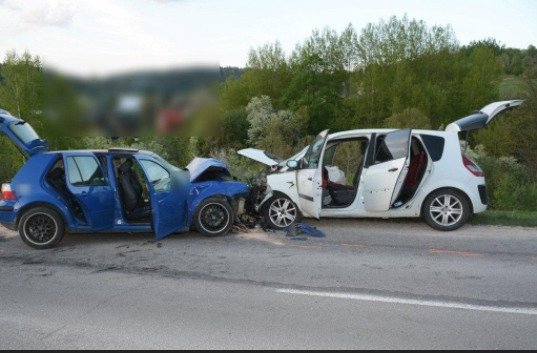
509, 182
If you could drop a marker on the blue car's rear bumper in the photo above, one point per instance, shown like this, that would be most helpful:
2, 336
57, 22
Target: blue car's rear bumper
8, 215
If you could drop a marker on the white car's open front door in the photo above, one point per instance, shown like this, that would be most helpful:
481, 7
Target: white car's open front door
310, 178
384, 179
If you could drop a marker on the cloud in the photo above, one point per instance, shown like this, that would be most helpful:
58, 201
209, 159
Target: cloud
57, 13
51, 14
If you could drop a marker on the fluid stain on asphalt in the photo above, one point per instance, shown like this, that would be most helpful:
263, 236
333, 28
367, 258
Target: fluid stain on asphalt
259, 236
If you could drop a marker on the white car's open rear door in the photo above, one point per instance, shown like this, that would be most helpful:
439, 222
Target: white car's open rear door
383, 180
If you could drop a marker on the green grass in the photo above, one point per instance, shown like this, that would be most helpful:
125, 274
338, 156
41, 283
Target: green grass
512, 86
506, 218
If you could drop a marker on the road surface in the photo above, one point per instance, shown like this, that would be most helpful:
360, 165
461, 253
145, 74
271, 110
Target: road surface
368, 284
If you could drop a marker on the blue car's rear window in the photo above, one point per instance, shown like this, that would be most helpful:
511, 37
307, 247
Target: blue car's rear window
24, 132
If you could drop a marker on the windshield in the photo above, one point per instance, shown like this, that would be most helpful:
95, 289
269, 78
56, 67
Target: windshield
24, 132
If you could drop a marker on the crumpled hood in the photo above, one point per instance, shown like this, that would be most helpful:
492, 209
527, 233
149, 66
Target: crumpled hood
268, 158
199, 165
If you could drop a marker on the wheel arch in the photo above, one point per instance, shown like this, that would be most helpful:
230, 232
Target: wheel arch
462, 192
277, 193
32, 205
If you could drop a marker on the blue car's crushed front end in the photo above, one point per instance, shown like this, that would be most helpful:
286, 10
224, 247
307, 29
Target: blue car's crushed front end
210, 177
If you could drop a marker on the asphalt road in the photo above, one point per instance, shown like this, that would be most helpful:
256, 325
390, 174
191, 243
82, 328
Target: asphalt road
368, 284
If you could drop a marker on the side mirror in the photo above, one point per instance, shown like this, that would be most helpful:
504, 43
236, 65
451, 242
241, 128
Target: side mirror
292, 164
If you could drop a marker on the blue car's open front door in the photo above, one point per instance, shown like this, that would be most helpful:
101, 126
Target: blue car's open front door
168, 199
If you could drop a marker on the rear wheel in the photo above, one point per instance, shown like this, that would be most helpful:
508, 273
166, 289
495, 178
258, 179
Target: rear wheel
280, 212
214, 217
41, 228
446, 209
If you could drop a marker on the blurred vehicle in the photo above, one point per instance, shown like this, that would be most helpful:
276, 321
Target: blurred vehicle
115, 190
379, 173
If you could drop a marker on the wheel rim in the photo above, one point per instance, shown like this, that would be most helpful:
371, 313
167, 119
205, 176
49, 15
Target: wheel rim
214, 218
282, 212
40, 228
446, 210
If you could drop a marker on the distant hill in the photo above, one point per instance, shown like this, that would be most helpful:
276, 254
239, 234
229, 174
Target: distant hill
162, 82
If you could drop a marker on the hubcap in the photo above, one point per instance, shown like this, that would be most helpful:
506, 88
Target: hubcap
40, 228
214, 218
282, 212
446, 210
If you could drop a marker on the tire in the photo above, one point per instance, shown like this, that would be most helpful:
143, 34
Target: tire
446, 209
41, 228
214, 217
280, 213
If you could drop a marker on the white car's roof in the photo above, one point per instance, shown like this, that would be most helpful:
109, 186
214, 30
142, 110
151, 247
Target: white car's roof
358, 132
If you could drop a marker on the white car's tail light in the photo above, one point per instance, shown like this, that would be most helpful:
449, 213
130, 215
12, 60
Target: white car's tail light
472, 167
7, 193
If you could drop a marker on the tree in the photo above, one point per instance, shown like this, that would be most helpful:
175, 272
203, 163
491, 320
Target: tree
259, 111
22, 85
408, 118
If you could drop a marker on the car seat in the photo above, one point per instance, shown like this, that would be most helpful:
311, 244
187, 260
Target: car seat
415, 171
341, 194
56, 178
131, 192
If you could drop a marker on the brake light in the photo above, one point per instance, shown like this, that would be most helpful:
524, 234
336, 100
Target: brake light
7, 193
472, 167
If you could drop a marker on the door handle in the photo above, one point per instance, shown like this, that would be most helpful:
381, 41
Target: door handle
393, 170
310, 179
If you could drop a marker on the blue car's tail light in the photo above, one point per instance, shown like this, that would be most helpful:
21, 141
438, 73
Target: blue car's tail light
7, 193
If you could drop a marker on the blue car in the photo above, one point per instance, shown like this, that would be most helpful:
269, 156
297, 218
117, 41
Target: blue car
116, 190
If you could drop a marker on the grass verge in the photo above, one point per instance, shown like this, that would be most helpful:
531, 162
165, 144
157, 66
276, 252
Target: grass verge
506, 218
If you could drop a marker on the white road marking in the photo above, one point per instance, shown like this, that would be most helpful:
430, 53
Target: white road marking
419, 302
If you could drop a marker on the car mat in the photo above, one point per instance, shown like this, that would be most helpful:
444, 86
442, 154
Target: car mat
301, 228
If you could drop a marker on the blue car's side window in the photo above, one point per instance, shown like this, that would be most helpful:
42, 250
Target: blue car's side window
85, 171
157, 175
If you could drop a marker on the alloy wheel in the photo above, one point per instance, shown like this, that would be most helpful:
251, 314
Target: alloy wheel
446, 210
282, 212
214, 217
40, 228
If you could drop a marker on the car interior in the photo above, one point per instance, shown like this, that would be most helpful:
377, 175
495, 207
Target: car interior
134, 194
57, 180
416, 171
343, 163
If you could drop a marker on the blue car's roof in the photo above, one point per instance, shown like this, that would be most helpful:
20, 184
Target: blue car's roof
109, 151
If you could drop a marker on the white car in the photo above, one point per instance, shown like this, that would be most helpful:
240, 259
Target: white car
379, 173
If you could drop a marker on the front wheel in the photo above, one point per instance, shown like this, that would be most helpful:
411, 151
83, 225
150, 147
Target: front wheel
280, 212
41, 228
214, 217
446, 210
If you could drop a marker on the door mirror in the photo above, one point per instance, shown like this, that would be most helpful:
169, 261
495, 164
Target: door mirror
292, 164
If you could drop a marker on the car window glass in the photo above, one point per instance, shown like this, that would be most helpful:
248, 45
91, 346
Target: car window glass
85, 171
157, 175
435, 146
24, 132
392, 146
312, 157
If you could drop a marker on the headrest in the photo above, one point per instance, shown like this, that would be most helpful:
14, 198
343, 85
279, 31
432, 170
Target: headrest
126, 166
56, 172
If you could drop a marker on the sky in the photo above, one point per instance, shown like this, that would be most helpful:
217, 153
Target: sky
103, 37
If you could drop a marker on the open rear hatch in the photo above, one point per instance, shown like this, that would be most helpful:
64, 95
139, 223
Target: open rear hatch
483, 117
22, 135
